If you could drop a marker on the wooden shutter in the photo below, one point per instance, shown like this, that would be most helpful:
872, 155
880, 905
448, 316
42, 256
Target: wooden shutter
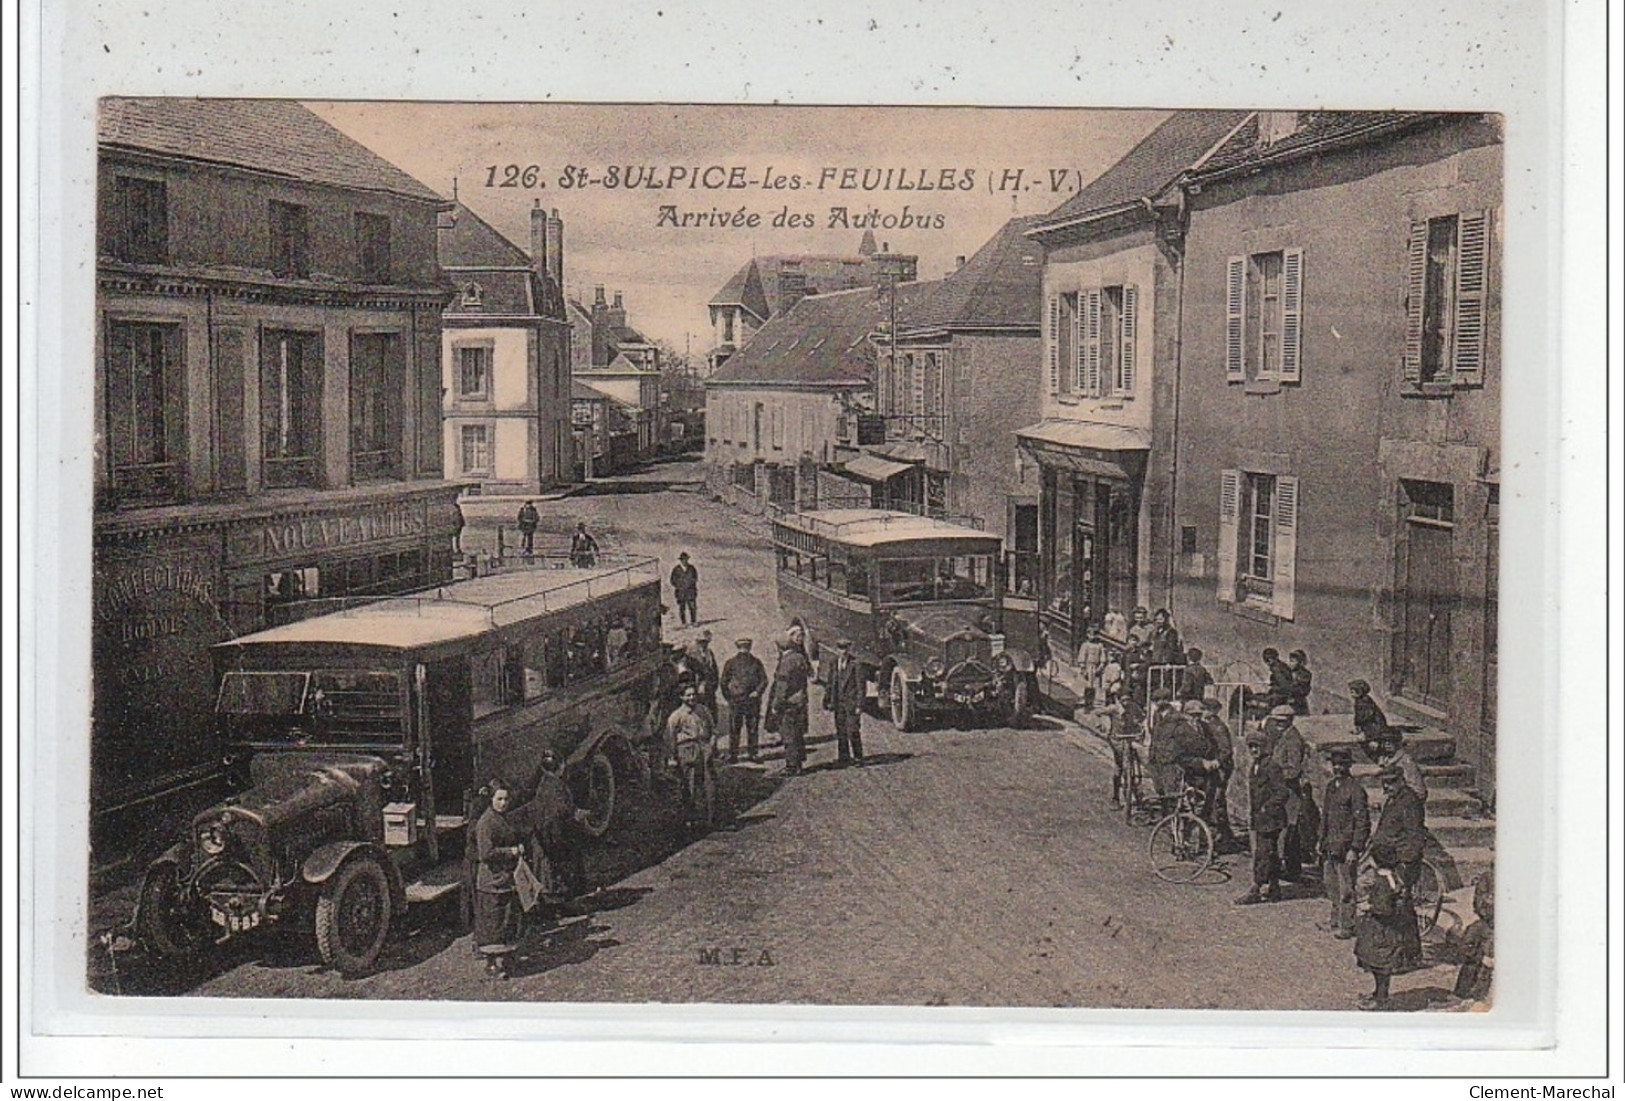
916, 375
1229, 532
1128, 338
430, 449
230, 446
1284, 584
1416, 269
1291, 313
1052, 342
1235, 304
1472, 277
1089, 345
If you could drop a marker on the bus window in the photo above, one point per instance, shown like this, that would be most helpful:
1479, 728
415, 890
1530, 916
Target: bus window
617, 643
529, 662
857, 579
906, 580
837, 576
489, 685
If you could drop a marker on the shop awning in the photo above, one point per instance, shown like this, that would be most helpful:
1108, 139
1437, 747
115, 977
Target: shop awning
872, 468
1086, 447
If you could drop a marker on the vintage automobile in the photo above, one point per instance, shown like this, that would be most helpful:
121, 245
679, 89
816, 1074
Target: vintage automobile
358, 740
920, 599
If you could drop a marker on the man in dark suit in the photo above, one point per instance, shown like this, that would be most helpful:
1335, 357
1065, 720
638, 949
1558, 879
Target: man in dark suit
744, 679
843, 696
685, 587
1268, 793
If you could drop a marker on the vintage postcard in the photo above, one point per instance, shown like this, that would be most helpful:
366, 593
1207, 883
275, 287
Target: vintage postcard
863, 556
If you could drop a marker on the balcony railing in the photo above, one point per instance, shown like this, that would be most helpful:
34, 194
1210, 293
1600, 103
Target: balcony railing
916, 426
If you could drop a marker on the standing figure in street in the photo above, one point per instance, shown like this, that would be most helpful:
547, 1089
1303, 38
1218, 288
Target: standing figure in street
1477, 947
1091, 664
1401, 835
1223, 749
691, 738
789, 699
1303, 681
685, 586
843, 696
744, 679
528, 519
557, 823
583, 547
1345, 828
1387, 940
1198, 757
1281, 686
497, 849
702, 660
1126, 730
1195, 680
1291, 753
1169, 739
1267, 794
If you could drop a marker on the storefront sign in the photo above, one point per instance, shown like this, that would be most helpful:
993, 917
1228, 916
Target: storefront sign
282, 537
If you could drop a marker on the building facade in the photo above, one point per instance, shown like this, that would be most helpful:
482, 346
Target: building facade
1339, 407
506, 355
267, 359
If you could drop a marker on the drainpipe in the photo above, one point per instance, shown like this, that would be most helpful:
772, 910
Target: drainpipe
1179, 360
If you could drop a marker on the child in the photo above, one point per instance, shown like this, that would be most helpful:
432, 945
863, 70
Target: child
1386, 936
1091, 664
1478, 944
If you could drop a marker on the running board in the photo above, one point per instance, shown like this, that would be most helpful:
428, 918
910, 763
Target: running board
437, 884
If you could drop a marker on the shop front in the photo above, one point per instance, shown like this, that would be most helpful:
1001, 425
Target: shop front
172, 582
1089, 524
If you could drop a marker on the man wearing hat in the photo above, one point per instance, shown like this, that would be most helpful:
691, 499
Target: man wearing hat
703, 661
685, 587
1267, 797
1223, 750
844, 690
788, 698
1197, 756
1291, 753
1345, 827
1401, 834
744, 679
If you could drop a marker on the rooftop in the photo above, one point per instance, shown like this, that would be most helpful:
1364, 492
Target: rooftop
865, 527
822, 339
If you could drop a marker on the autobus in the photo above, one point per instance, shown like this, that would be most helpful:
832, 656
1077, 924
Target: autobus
920, 599
359, 740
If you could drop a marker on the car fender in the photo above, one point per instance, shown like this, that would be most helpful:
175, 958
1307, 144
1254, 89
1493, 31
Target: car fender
320, 865
1020, 660
911, 666
619, 745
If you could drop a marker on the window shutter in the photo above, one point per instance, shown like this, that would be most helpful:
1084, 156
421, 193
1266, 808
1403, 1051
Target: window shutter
1235, 301
916, 374
1284, 588
1472, 276
1131, 329
1052, 342
1291, 313
1089, 346
1229, 532
1416, 267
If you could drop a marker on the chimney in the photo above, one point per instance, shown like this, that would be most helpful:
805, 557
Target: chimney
618, 300
538, 237
598, 296
555, 247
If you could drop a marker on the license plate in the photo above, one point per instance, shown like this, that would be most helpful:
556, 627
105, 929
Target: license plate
234, 923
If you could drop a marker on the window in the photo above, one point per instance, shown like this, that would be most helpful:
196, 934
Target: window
1447, 278
290, 406
140, 220
474, 372
473, 296
776, 425
145, 407
489, 682
1095, 346
727, 326
931, 383
290, 240
1258, 540
377, 382
372, 247
1264, 317
476, 449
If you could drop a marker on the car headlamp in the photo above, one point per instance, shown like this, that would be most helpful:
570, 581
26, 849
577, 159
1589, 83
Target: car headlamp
212, 838
935, 668
1002, 662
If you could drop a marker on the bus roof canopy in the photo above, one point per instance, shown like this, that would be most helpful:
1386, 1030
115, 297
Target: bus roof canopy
873, 527
462, 609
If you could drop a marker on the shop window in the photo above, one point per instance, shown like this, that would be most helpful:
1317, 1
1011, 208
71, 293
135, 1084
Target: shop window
476, 448
290, 240
372, 247
1264, 317
290, 407
140, 220
1258, 534
146, 408
287, 586
1447, 274
488, 681
377, 385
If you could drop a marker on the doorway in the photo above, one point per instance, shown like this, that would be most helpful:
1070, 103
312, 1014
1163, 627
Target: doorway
1425, 593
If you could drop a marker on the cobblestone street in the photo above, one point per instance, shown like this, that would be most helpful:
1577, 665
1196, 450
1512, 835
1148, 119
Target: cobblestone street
962, 867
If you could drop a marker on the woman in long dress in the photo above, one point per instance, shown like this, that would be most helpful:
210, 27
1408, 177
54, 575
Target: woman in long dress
498, 847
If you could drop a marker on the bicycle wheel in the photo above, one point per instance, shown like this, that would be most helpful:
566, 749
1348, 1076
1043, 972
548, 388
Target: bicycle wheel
1181, 848
1428, 897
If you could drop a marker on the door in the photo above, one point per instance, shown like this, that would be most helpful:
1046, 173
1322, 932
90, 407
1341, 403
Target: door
1086, 580
1425, 594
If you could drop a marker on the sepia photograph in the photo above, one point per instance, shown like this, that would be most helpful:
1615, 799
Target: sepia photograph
923, 556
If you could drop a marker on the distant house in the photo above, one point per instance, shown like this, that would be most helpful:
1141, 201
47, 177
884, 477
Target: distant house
637, 389
615, 358
506, 355
606, 432
768, 286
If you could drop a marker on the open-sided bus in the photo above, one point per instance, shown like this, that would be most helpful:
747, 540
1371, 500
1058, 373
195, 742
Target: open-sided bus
359, 738
920, 599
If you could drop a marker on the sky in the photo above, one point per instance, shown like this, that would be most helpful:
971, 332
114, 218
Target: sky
730, 164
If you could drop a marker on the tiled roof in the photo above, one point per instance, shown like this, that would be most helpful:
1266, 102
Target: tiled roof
504, 293
276, 136
1314, 129
744, 289
1151, 165
580, 391
468, 241
822, 339
1000, 286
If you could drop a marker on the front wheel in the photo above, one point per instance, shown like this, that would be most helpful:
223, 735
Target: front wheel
165, 922
1181, 848
353, 916
904, 710
1021, 700
600, 802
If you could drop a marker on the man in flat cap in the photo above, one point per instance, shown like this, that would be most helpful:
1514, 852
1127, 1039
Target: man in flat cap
703, 661
744, 679
1291, 753
1223, 749
1267, 794
788, 698
843, 696
1345, 827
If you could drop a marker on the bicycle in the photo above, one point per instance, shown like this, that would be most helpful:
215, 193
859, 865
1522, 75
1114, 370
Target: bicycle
1140, 803
1427, 896
1181, 844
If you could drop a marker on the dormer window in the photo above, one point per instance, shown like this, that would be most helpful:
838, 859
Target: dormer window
473, 296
